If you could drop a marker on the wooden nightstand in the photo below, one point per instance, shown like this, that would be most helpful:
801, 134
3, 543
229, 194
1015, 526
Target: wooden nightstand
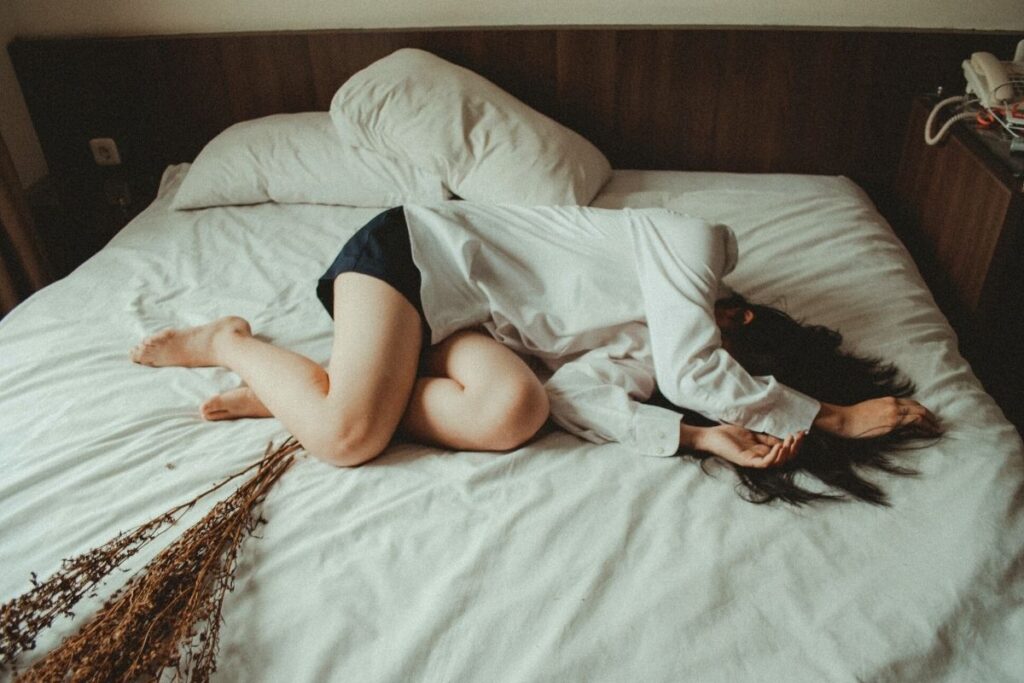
961, 212
77, 214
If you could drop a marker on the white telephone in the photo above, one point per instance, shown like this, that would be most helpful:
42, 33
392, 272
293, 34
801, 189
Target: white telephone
995, 83
998, 87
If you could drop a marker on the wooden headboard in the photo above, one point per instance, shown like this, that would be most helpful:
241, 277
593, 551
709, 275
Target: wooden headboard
802, 101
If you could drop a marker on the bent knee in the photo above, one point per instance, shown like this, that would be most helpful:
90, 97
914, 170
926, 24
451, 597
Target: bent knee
352, 446
514, 414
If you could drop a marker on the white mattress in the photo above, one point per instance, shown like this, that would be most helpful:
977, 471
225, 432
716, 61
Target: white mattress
562, 561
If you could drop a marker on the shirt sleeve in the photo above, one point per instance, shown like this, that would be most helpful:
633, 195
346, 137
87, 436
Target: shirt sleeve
680, 262
595, 398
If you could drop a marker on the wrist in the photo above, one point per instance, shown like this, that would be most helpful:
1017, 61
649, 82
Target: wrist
830, 418
690, 437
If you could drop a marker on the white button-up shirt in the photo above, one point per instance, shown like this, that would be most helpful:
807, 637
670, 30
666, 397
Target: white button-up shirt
613, 302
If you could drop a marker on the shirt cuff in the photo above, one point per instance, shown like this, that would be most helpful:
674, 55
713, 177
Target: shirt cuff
791, 412
656, 430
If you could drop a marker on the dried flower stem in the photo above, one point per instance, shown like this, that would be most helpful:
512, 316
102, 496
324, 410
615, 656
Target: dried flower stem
168, 614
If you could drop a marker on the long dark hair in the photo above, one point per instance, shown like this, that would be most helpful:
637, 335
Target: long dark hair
808, 358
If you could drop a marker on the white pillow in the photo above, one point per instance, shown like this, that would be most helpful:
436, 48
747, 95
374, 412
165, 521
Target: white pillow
298, 159
484, 143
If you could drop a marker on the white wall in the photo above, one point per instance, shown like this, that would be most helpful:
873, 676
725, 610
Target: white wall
134, 17
186, 16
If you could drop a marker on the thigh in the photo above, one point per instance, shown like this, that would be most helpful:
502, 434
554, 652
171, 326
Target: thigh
479, 364
475, 394
377, 335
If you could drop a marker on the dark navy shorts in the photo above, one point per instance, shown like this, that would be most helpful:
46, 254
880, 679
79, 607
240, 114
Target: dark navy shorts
380, 249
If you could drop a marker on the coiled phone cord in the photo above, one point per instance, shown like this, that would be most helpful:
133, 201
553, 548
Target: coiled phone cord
934, 139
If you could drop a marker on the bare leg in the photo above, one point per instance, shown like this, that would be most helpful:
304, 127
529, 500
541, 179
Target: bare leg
345, 415
480, 396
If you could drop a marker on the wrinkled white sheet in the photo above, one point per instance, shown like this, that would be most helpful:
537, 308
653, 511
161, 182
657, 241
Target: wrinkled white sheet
563, 561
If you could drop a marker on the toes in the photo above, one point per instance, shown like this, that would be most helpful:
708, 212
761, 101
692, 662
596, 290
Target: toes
141, 352
137, 354
156, 339
211, 406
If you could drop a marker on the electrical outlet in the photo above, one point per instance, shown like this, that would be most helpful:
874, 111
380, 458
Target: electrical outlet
104, 151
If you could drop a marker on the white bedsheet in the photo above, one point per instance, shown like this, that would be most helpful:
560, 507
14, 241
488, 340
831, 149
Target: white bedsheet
562, 561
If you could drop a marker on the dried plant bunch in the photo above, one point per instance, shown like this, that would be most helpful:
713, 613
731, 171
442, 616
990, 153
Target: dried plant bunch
168, 615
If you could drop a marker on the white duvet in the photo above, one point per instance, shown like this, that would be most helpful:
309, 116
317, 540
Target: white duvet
562, 561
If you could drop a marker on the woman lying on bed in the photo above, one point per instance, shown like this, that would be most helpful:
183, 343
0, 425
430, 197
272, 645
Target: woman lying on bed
434, 308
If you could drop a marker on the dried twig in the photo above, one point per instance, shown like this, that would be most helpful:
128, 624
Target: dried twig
168, 615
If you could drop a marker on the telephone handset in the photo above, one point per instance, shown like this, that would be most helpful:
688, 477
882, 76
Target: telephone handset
995, 83
998, 87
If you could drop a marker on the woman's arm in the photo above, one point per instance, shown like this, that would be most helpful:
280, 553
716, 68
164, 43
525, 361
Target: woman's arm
875, 417
739, 445
598, 398
594, 397
679, 263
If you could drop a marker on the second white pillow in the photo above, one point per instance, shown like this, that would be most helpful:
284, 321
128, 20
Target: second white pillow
299, 159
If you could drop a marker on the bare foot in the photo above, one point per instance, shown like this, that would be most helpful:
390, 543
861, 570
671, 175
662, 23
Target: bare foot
234, 404
190, 347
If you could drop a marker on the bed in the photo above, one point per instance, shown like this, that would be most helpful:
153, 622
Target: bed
562, 560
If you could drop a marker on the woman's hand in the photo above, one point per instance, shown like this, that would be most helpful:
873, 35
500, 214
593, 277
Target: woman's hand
741, 446
876, 417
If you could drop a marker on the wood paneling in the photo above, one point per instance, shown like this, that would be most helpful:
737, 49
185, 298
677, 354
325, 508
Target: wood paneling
966, 214
962, 214
717, 99
801, 101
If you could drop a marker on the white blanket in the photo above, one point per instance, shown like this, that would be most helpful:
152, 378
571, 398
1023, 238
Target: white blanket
562, 561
